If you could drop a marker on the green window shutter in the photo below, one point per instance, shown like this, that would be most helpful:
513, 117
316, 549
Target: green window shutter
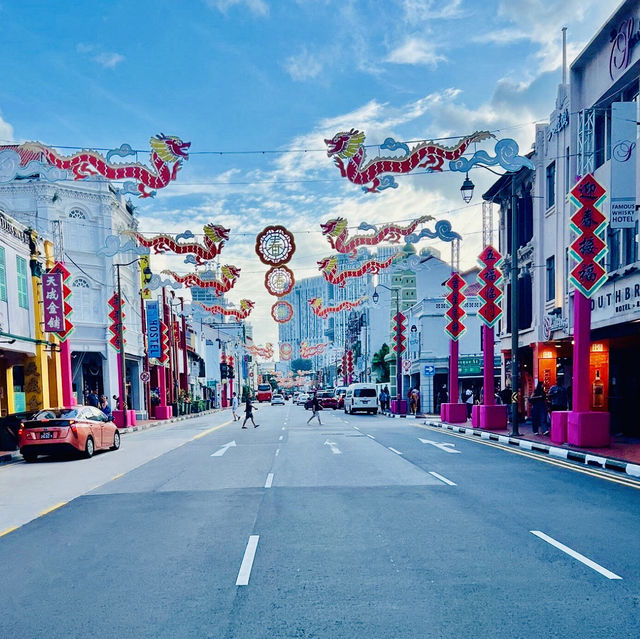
3, 277
23, 282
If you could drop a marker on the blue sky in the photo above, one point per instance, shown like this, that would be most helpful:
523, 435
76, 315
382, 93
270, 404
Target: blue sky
267, 75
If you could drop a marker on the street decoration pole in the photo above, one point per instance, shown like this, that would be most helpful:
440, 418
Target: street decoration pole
513, 301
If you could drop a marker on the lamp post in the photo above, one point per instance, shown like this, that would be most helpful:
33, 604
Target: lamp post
375, 298
121, 364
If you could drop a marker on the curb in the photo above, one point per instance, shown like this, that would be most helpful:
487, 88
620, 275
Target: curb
15, 456
589, 459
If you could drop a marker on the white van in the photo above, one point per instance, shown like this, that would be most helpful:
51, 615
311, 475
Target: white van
362, 397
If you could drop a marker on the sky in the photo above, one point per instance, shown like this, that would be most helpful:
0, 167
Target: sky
257, 85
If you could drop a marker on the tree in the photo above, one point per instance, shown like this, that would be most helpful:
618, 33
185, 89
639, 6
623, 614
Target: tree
379, 367
301, 364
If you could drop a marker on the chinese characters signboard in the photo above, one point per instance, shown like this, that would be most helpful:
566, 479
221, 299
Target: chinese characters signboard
491, 292
55, 296
589, 248
455, 328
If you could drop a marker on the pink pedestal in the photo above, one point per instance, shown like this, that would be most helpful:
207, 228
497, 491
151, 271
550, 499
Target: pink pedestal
399, 406
131, 417
163, 412
475, 416
493, 417
559, 426
118, 418
588, 428
454, 413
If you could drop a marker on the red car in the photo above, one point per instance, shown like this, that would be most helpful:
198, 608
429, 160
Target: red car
59, 431
327, 399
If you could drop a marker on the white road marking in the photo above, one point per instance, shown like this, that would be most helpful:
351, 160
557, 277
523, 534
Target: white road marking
247, 561
221, 451
441, 478
355, 427
576, 555
267, 484
397, 452
446, 446
283, 428
277, 452
280, 438
334, 449
367, 434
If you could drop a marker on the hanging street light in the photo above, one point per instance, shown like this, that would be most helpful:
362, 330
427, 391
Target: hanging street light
466, 190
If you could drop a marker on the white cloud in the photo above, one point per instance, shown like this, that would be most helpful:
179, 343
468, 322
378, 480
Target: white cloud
6, 131
259, 7
416, 51
109, 60
416, 11
303, 66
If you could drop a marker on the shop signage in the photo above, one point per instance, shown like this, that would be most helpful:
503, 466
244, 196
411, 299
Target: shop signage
473, 365
617, 298
490, 277
52, 302
623, 165
12, 230
589, 224
554, 323
455, 298
623, 41
154, 333
559, 122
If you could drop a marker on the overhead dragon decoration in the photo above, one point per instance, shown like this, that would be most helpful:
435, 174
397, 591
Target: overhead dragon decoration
349, 155
329, 269
229, 275
324, 311
246, 306
168, 152
264, 352
215, 236
336, 231
308, 351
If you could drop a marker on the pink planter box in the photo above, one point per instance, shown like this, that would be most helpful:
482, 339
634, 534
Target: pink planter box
493, 417
588, 429
559, 426
475, 416
454, 413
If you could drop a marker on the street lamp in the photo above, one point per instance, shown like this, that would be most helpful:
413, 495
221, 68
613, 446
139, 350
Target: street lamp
466, 190
375, 297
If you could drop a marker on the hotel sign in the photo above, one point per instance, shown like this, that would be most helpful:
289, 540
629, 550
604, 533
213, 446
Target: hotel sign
623, 165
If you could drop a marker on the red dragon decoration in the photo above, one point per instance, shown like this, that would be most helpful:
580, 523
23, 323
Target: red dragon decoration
329, 269
215, 236
229, 276
308, 351
324, 311
264, 352
337, 232
166, 150
348, 146
246, 306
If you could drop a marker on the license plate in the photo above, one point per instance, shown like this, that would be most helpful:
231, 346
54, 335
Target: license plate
47, 435
365, 401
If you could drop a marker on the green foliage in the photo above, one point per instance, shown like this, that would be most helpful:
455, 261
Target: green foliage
379, 367
300, 364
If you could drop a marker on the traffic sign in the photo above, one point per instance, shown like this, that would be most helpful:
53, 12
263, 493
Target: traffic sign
145, 376
429, 370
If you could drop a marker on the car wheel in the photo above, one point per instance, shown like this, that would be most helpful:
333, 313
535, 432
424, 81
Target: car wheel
116, 441
89, 448
29, 457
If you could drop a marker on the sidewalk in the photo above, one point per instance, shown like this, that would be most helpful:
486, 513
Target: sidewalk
623, 455
11, 456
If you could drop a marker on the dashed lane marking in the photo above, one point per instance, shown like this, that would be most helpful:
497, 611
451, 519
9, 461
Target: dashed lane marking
267, 484
576, 555
247, 561
367, 434
441, 478
397, 452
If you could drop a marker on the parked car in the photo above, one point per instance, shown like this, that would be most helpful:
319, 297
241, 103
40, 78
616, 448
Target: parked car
58, 431
361, 397
339, 394
9, 427
328, 399
302, 399
277, 399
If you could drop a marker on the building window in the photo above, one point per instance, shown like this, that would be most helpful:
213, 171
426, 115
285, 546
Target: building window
551, 278
83, 300
551, 185
630, 245
23, 286
77, 214
613, 242
567, 170
3, 277
75, 230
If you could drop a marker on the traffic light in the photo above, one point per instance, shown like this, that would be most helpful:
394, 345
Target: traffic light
114, 316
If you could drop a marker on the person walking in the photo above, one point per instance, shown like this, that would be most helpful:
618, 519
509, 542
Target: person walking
558, 399
538, 403
383, 400
443, 397
234, 407
315, 408
248, 413
469, 402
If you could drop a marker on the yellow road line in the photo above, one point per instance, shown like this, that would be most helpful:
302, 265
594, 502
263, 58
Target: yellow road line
117, 476
8, 530
593, 472
210, 430
49, 510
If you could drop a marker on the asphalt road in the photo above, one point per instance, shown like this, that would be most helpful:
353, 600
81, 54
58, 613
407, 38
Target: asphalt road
360, 527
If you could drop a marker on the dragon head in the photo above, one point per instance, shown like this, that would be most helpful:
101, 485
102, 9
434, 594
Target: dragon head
246, 305
328, 264
230, 272
315, 302
170, 148
479, 136
216, 233
345, 144
334, 227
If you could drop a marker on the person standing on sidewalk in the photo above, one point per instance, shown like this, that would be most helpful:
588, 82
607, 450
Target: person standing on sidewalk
248, 413
234, 407
315, 408
469, 402
538, 403
558, 399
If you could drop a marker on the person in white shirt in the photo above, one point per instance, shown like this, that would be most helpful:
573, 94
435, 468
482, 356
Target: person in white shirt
234, 407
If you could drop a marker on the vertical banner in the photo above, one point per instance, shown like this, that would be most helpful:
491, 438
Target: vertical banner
491, 292
623, 165
454, 299
154, 331
53, 302
66, 327
145, 277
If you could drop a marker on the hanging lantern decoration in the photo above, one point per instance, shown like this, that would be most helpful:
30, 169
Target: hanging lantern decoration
454, 299
321, 311
275, 245
282, 312
286, 351
490, 277
279, 281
